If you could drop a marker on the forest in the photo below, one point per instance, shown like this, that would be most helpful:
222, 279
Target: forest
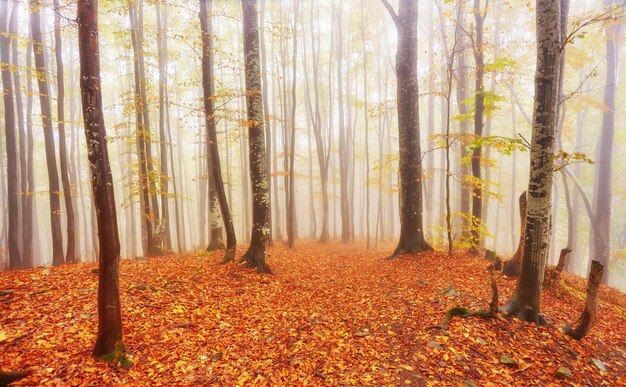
312, 192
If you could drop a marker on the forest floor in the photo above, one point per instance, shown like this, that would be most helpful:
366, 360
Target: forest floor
329, 315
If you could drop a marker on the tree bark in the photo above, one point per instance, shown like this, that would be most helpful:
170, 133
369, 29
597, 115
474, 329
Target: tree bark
525, 301
266, 109
166, 241
149, 216
13, 200
512, 266
26, 214
70, 255
601, 233
255, 256
461, 97
322, 149
588, 317
411, 227
291, 210
109, 310
476, 241
46, 117
208, 83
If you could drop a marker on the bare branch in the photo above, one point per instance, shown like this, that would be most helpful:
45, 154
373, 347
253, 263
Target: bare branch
392, 13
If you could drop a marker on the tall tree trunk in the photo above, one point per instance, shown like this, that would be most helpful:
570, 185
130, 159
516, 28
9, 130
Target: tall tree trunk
46, 117
13, 200
109, 310
525, 301
291, 210
461, 97
216, 239
366, 120
149, 215
26, 230
70, 255
488, 118
601, 234
323, 151
479, 112
255, 256
411, 227
164, 188
266, 109
343, 142
208, 83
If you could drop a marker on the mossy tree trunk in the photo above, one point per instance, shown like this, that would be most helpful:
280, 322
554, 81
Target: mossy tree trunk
525, 301
255, 256
411, 224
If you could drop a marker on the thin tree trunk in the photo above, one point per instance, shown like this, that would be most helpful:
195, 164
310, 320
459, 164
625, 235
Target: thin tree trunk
70, 255
266, 109
13, 199
366, 120
479, 111
208, 84
291, 210
461, 97
343, 142
601, 233
109, 310
164, 188
149, 216
26, 217
46, 117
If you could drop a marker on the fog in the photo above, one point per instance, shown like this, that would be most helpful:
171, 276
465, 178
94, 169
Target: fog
345, 87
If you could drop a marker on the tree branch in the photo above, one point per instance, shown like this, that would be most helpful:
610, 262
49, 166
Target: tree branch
392, 13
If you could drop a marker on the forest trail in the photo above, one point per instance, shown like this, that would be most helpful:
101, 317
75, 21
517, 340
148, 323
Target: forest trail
330, 314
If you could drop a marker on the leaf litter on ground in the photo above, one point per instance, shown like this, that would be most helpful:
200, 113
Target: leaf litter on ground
329, 315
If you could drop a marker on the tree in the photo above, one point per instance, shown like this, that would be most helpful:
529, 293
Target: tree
109, 310
10, 135
343, 141
291, 202
147, 190
525, 301
27, 184
411, 227
479, 113
255, 256
215, 169
163, 114
70, 255
46, 118
600, 246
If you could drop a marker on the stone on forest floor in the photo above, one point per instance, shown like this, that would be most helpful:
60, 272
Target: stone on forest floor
509, 361
563, 373
450, 292
598, 364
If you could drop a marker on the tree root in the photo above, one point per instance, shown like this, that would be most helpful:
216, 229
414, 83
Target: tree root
229, 256
513, 309
255, 258
463, 312
408, 247
10, 377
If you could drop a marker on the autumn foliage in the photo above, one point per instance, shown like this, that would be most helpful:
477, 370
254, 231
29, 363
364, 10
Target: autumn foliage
329, 315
